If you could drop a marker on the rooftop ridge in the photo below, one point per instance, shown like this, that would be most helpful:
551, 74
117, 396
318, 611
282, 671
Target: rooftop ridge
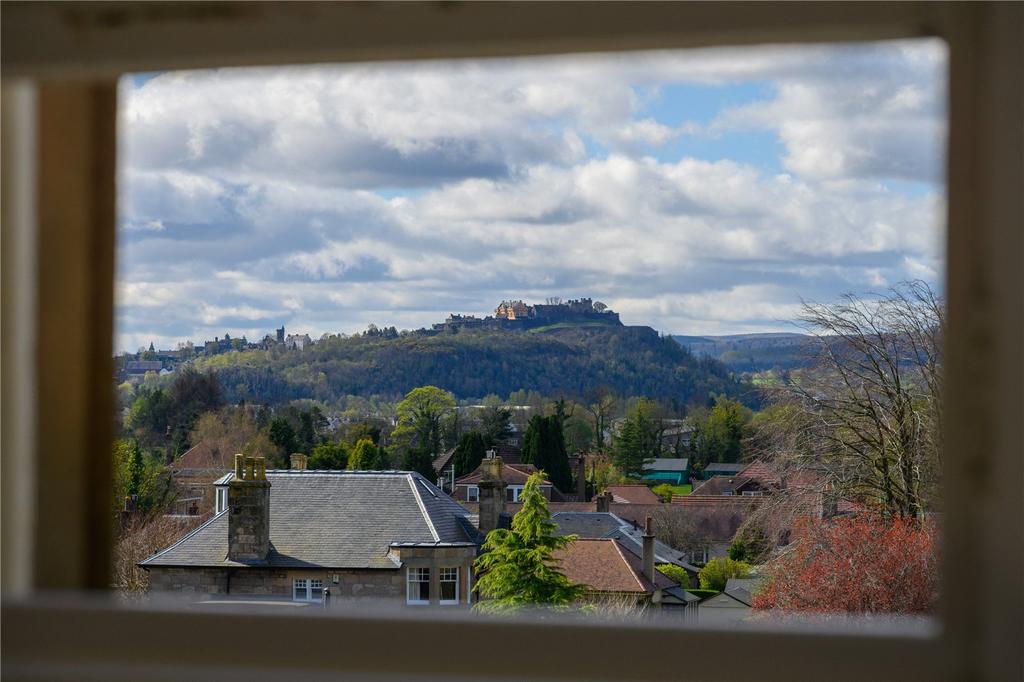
423, 508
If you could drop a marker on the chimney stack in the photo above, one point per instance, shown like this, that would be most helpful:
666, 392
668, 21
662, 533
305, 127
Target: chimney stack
581, 478
492, 495
604, 502
299, 461
249, 515
648, 553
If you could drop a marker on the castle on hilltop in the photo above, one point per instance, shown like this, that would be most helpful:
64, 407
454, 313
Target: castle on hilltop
518, 315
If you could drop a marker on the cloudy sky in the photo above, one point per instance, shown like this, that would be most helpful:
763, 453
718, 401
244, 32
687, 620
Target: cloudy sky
699, 192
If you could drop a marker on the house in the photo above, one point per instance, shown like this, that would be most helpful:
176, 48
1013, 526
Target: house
633, 494
610, 571
193, 474
732, 605
722, 469
467, 488
670, 470
605, 525
291, 534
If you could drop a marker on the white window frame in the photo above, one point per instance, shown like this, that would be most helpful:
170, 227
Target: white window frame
442, 581
409, 582
222, 499
59, 442
516, 491
472, 493
307, 587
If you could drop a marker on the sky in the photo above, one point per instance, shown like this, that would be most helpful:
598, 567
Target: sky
698, 192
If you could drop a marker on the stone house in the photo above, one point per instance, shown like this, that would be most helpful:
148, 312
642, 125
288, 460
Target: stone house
467, 488
294, 534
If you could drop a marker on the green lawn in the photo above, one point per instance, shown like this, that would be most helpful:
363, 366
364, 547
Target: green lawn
684, 489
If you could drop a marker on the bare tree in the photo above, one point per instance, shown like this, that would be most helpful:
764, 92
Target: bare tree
141, 537
601, 404
864, 420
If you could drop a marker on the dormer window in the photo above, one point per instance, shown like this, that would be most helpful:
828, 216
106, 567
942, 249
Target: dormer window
222, 499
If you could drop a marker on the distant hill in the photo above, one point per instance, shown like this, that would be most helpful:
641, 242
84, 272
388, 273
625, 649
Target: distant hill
563, 358
750, 352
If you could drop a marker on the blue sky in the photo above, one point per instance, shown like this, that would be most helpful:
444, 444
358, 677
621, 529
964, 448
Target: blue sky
699, 192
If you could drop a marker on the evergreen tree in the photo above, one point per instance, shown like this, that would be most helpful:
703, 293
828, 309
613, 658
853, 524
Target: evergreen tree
469, 453
544, 447
135, 469
329, 456
517, 568
638, 441
420, 460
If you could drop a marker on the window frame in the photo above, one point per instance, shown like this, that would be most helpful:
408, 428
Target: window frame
59, 108
472, 493
419, 582
441, 582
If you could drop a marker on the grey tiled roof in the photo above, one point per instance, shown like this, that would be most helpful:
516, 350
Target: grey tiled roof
587, 524
667, 464
335, 519
608, 525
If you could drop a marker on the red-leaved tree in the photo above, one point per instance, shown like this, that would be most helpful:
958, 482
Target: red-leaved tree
856, 564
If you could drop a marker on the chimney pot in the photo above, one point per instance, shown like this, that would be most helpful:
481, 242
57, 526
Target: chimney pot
299, 461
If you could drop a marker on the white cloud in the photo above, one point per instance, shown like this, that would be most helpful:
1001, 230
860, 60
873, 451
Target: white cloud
330, 197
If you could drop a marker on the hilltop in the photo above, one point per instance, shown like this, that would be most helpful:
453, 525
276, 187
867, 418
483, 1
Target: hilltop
751, 352
570, 357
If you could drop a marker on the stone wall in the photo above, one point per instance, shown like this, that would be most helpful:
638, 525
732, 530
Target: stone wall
352, 584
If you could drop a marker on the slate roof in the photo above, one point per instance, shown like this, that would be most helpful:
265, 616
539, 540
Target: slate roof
604, 566
668, 464
512, 474
724, 468
742, 589
335, 519
633, 494
723, 485
609, 526
587, 524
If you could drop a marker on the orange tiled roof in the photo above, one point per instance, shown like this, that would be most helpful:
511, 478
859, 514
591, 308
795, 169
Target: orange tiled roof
633, 494
602, 565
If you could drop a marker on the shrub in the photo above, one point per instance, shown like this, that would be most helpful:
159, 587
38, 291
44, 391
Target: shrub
704, 594
676, 573
716, 573
664, 491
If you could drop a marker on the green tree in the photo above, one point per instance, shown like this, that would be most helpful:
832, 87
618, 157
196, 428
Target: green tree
365, 456
517, 568
494, 421
420, 460
718, 437
134, 469
282, 434
639, 440
329, 456
716, 573
469, 452
421, 418
544, 447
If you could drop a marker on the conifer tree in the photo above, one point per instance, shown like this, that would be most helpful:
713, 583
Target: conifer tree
517, 569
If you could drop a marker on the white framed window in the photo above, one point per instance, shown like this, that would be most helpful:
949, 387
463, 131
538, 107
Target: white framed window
304, 589
418, 586
472, 493
513, 492
450, 585
222, 499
